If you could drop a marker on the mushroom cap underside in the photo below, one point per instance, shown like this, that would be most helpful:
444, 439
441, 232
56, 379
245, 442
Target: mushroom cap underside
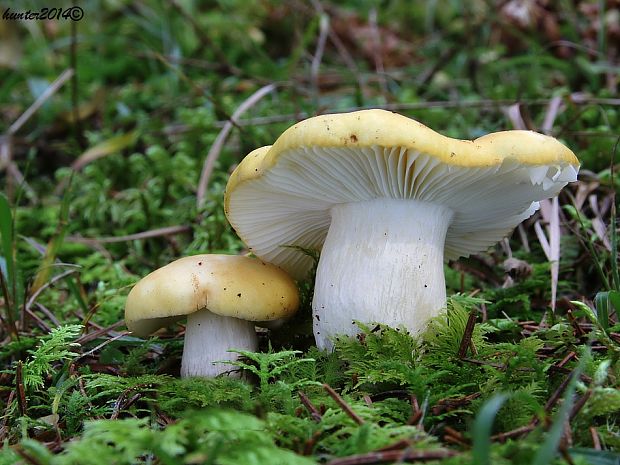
281, 195
228, 285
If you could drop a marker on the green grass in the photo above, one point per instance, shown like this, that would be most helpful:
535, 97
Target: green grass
114, 155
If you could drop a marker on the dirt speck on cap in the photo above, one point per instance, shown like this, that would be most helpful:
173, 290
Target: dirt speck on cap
195, 282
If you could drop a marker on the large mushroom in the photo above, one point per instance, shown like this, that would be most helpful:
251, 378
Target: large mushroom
221, 295
386, 200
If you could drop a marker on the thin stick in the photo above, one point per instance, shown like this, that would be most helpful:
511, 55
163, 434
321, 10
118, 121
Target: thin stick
579, 331
21, 390
416, 413
348, 59
77, 124
615, 274
49, 283
222, 58
579, 404
343, 405
394, 456
522, 430
47, 313
95, 334
596, 440
398, 445
38, 320
484, 104
167, 231
20, 180
314, 412
571, 355
103, 344
15, 176
80, 381
467, 334
216, 148
454, 433
38, 103
318, 56
5, 417
397, 393
517, 432
121, 403
377, 55
558, 392
427, 75
554, 107
523, 237
342, 50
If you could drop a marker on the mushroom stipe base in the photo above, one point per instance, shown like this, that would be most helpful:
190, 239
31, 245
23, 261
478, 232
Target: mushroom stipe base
208, 339
382, 261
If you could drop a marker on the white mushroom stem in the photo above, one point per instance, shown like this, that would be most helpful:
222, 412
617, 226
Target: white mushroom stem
209, 337
382, 261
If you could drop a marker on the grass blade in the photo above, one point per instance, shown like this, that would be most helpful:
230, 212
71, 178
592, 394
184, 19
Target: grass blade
110, 146
51, 251
595, 457
614, 300
601, 303
9, 287
615, 275
6, 231
483, 427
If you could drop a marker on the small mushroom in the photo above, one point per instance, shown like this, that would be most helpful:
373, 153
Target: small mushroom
222, 295
387, 200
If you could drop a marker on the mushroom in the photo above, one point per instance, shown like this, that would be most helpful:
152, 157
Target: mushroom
221, 295
386, 200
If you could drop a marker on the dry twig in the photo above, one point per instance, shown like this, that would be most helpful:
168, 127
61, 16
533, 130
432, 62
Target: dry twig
166, 231
314, 412
5, 417
216, 148
21, 389
466, 341
38, 103
99, 332
343, 405
103, 344
318, 55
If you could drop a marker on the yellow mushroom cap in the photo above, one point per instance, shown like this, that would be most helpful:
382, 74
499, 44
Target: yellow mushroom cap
228, 285
281, 195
